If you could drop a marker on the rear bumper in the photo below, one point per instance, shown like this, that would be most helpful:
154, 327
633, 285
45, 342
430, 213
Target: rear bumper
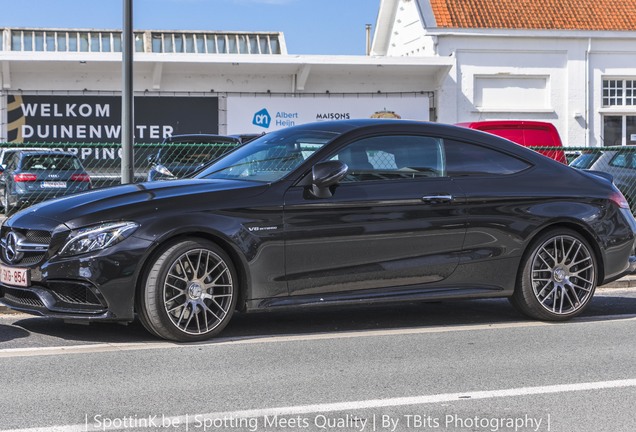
32, 197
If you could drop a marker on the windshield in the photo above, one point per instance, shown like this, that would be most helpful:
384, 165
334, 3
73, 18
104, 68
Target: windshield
193, 154
270, 157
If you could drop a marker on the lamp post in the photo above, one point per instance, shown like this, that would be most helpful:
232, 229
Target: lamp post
127, 100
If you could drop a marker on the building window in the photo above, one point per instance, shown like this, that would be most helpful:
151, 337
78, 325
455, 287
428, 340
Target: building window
619, 92
169, 42
221, 43
619, 130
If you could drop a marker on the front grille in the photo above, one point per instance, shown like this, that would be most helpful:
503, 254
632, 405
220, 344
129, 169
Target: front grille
31, 259
36, 236
25, 298
28, 237
74, 293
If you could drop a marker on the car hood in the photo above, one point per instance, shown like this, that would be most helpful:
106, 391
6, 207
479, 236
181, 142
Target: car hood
134, 202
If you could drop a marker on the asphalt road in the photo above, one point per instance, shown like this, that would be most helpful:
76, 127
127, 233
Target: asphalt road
450, 366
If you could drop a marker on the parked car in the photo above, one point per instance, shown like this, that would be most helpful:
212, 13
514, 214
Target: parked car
329, 213
620, 164
7, 150
526, 133
31, 176
180, 156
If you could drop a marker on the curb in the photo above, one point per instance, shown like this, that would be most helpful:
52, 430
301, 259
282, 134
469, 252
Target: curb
628, 281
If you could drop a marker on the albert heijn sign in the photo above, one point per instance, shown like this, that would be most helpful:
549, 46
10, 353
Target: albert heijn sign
97, 119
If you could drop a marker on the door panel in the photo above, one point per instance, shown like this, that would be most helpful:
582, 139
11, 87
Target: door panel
372, 234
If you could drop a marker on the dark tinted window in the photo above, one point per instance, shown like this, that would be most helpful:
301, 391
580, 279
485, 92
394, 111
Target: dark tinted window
393, 157
50, 162
464, 159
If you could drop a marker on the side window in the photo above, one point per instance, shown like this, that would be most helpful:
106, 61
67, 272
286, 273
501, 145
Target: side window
11, 161
464, 159
393, 157
624, 160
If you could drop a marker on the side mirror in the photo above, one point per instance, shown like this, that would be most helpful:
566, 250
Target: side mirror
324, 175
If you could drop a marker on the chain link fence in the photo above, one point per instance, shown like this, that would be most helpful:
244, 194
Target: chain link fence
35, 172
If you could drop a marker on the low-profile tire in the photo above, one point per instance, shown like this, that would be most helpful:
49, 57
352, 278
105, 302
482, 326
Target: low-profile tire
557, 277
189, 292
7, 208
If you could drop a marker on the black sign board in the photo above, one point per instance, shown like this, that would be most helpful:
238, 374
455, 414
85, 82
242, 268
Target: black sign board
97, 119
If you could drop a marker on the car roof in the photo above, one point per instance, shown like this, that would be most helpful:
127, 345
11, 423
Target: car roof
46, 152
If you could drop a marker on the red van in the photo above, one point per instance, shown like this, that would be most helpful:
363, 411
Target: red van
526, 133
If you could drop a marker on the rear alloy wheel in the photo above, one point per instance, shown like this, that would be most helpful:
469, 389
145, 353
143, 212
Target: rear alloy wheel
190, 292
558, 277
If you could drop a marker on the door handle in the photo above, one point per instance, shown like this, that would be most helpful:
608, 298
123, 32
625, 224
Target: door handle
437, 199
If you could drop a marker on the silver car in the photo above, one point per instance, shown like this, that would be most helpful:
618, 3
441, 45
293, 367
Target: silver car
620, 164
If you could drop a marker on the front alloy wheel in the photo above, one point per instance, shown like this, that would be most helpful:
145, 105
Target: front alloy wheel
190, 292
558, 277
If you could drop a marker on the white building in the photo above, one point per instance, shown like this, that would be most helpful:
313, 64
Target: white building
569, 62
63, 85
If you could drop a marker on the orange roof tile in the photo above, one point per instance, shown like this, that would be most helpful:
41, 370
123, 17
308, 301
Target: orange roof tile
536, 14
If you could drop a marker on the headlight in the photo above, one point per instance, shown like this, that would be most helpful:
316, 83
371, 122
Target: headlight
97, 237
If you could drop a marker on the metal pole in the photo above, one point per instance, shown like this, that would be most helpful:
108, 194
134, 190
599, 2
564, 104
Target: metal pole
127, 101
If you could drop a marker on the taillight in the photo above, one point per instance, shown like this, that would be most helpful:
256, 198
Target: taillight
80, 178
24, 178
619, 200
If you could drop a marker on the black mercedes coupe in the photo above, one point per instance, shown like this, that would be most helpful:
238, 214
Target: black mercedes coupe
328, 213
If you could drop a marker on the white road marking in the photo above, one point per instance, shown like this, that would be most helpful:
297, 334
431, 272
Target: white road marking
138, 346
91, 424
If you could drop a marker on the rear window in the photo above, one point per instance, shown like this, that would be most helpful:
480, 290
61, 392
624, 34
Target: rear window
585, 161
50, 162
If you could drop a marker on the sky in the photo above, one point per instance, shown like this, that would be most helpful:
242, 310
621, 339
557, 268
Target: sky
322, 27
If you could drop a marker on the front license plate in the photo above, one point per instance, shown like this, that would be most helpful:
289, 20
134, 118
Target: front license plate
53, 184
15, 276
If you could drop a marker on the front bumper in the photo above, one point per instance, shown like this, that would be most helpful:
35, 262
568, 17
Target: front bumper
98, 286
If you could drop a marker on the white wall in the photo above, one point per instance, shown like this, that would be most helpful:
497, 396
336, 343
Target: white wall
609, 59
573, 80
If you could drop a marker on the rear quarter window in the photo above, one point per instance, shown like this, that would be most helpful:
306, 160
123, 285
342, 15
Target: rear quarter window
465, 159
